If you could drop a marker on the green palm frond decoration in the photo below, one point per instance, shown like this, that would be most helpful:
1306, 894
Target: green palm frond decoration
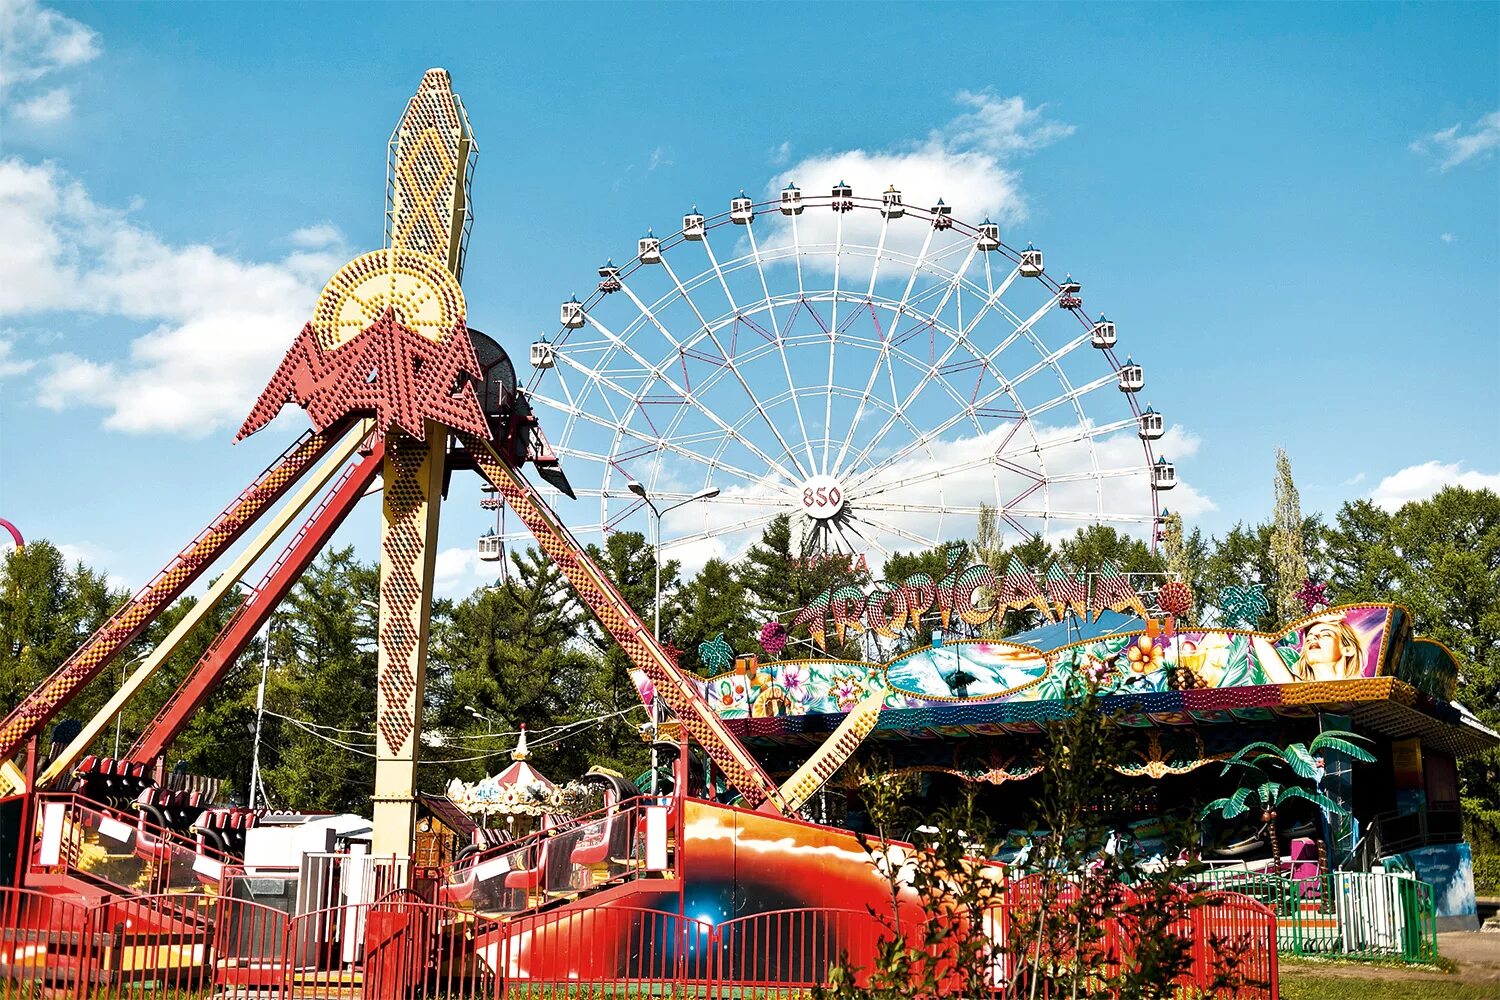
1318, 799
1300, 761
1336, 740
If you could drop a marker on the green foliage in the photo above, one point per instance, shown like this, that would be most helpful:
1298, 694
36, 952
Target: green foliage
1077, 880
1089, 548
323, 671
1487, 874
1288, 557
47, 609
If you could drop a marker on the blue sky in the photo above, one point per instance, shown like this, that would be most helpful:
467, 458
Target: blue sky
1293, 212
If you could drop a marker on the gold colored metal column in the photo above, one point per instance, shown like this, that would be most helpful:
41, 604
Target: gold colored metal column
430, 157
409, 526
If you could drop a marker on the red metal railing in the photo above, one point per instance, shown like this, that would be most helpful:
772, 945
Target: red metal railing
117, 851
187, 947
579, 855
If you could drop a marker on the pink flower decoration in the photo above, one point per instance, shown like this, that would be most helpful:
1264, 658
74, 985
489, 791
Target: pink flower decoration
773, 638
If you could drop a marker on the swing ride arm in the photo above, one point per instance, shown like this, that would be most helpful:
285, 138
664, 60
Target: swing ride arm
675, 688
258, 607
42, 704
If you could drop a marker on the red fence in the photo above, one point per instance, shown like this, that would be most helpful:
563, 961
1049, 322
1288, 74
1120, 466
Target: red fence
194, 945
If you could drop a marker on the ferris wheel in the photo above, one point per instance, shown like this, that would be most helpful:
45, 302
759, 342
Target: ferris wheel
878, 371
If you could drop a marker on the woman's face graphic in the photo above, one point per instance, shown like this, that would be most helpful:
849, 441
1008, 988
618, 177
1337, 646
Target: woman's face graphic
1322, 646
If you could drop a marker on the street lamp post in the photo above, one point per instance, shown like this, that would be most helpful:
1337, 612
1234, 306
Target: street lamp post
704, 494
260, 710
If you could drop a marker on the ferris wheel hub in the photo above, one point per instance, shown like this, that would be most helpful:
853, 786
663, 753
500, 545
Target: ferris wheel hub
821, 497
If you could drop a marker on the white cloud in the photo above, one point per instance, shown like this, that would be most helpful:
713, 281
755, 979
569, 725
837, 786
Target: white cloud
96, 558
781, 154
1447, 237
36, 42
1418, 482
317, 237
219, 324
47, 107
1354, 480
658, 158
965, 162
1452, 146
12, 366
951, 477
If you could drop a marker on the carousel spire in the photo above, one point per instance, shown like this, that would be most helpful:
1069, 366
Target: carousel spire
520, 752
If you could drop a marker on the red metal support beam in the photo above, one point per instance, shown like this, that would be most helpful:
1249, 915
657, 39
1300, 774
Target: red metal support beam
39, 707
250, 616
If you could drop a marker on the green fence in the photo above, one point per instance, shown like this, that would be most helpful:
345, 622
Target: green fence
1347, 914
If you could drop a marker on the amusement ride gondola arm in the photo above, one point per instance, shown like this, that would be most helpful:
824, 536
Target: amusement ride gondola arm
349, 438
632, 634
259, 606
39, 707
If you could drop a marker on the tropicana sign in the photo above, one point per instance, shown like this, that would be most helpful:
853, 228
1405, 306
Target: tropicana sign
973, 595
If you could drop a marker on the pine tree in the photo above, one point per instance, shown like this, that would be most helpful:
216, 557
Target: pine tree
1288, 555
1179, 563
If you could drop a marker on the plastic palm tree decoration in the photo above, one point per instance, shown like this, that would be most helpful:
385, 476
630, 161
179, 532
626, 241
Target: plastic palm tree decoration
1274, 773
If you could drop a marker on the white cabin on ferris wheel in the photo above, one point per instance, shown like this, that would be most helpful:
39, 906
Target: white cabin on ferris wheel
1069, 286
609, 277
988, 239
490, 549
1132, 376
1103, 336
843, 197
942, 215
692, 225
741, 209
891, 205
572, 313
1153, 426
648, 248
1031, 265
543, 354
1163, 475
791, 200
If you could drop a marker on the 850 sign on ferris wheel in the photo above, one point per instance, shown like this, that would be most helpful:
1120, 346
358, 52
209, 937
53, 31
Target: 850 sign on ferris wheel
822, 497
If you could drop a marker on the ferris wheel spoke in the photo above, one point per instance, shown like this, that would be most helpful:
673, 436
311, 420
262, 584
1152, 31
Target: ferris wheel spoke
658, 444
875, 542
797, 256
859, 410
734, 370
719, 532
885, 225
895, 529
713, 260
690, 398
730, 499
780, 340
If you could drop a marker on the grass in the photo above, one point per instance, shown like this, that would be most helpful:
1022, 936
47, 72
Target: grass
1301, 986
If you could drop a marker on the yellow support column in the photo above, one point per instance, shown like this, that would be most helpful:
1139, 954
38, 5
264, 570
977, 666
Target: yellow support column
413, 485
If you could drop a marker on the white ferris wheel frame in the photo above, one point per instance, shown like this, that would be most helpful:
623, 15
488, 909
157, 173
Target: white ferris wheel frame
786, 473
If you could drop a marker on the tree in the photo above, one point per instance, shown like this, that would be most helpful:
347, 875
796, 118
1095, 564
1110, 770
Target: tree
47, 610
1185, 556
1089, 548
322, 680
714, 602
1362, 560
1288, 557
781, 576
520, 654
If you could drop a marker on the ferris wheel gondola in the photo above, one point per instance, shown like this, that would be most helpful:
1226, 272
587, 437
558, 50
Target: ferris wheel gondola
880, 371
